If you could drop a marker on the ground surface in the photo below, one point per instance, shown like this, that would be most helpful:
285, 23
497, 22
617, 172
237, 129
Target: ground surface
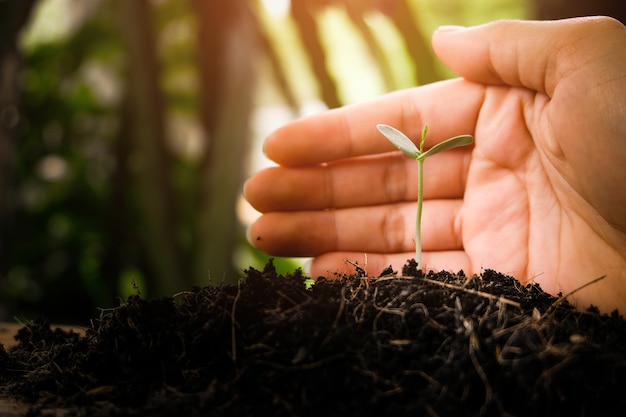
440, 344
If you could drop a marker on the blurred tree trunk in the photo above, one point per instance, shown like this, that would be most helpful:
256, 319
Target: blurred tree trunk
13, 17
399, 11
228, 44
357, 11
558, 9
303, 14
150, 161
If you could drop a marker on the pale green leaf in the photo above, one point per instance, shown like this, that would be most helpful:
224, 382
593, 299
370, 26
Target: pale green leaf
399, 139
447, 144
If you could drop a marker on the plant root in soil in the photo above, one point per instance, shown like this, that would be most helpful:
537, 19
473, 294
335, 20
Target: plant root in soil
439, 344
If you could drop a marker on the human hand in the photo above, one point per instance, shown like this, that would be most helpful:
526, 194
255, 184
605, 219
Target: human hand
541, 195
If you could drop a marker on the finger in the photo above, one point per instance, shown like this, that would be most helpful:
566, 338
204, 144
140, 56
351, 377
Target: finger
382, 229
449, 108
330, 264
389, 178
529, 54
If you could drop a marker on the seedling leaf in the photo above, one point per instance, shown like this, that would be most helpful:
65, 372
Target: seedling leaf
400, 140
451, 143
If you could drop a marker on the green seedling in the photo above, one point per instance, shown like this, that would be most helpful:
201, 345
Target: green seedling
309, 283
402, 142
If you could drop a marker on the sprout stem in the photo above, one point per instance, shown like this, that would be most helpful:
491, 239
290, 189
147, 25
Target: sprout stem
420, 200
418, 220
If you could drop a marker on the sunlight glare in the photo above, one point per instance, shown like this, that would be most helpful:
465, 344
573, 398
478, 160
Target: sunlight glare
277, 8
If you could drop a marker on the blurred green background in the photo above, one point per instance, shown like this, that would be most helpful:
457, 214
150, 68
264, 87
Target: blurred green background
127, 127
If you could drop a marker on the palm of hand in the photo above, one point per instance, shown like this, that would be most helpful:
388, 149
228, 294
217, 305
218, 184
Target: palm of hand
525, 209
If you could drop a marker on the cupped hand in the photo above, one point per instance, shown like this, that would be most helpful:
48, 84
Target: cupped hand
541, 195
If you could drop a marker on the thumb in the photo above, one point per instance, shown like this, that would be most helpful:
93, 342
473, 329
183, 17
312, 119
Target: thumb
531, 54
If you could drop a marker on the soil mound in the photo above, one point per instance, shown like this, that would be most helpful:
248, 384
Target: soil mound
437, 344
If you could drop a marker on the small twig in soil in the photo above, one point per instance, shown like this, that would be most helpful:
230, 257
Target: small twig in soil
233, 324
459, 288
474, 345
569, 294
471, 291
342, 305
360, 271
386, 309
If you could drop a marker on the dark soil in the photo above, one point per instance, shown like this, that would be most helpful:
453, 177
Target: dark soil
436, 344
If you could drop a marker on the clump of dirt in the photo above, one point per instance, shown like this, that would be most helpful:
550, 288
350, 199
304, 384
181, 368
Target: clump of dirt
435, 344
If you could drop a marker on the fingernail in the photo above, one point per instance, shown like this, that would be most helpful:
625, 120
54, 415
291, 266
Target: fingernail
266, 144
263, 148
450, 28
244, 189
306, 267
252, 239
